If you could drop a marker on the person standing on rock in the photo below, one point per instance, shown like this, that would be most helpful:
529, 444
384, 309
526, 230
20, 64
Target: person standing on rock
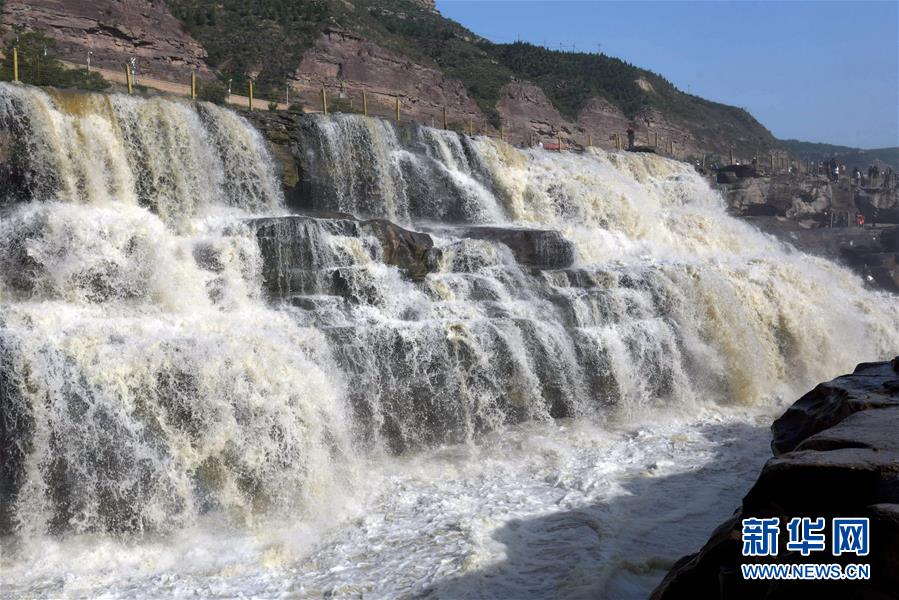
630, 138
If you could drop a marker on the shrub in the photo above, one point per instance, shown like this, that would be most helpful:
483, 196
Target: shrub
342, 105
38, 65
212, 91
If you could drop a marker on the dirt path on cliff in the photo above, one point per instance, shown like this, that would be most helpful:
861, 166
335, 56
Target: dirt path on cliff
170, 87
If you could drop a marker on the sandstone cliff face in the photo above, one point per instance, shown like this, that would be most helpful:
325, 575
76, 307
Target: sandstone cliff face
799, 196
115, 31
603, 120
526, 111
685, 141
347, 63
785, 195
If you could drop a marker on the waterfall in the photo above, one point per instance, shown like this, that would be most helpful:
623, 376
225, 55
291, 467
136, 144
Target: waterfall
143, 379
366, 166
173, 344
162, 154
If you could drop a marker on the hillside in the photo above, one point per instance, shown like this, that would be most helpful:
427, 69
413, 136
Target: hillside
415, 30
851, 157
391, 48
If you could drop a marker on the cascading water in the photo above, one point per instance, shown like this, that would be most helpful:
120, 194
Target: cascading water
144, 381
365, 166
352, 407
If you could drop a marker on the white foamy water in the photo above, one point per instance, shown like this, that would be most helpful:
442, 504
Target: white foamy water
204, 396
572, 509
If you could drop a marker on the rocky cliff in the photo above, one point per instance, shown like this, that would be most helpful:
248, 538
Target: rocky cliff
818, 216
115, 31
836, 455
804, 197
399, 48
348, 64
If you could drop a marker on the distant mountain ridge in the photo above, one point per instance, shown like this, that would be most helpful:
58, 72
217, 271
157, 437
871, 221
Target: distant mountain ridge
851, 157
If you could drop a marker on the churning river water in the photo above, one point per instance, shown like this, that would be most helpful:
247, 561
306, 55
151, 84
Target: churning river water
203, 394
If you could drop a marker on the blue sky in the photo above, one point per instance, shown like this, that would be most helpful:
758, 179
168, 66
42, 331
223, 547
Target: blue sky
823, 71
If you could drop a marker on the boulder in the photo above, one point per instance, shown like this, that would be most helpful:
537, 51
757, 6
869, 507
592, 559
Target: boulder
298, 260
837, 455
872, 385
411, 251
539, 248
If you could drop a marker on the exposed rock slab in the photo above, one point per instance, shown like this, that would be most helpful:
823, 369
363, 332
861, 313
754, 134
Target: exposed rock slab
872, 385
837, 456
297, 258
411, 251
540, 248
115, 31
528, 114
347, 63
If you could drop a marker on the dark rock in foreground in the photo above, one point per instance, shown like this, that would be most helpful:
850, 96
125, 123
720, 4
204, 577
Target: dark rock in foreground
837, 455
872, 385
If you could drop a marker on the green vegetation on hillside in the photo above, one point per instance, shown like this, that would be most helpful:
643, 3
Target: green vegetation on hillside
570, 79
430, 39
267, 38
38, 65
260, 38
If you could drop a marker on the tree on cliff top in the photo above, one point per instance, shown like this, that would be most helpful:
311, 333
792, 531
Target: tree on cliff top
38, 64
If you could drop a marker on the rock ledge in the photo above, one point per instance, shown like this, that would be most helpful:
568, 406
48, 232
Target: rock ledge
836, 455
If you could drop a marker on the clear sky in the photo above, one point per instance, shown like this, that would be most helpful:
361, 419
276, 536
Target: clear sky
824, 71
